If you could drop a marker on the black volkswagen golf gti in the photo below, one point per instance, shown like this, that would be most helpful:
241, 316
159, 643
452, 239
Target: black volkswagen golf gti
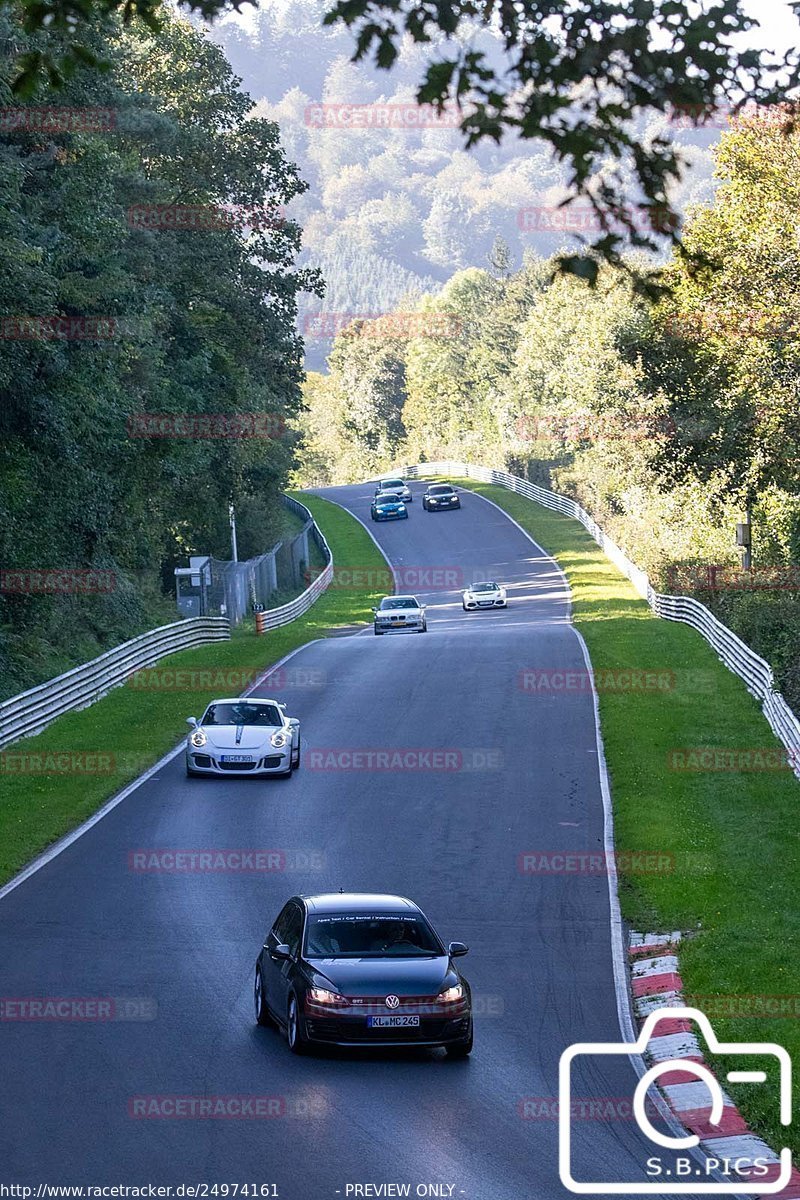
362, 970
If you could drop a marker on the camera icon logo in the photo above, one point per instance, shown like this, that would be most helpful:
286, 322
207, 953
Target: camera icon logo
666, 1141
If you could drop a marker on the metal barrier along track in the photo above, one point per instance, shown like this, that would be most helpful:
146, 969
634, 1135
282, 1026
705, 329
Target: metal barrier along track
733, 652
32, 711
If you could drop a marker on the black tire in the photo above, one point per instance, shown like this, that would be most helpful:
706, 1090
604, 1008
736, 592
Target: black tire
259, 1001
424, 628
296, 763
463, 605
378, 633
405, 516
296, 1035
190, 774
460, 1049
425, 506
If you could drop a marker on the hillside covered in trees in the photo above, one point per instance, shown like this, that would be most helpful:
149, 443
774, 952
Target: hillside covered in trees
125, 295
663, 420
395, 203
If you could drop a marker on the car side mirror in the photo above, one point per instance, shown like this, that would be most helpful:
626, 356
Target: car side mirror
293, 721
457, 949
281, 951
192, 721
373, 609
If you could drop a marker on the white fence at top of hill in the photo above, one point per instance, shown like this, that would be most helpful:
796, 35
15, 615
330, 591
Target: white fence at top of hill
32, 711
734, 653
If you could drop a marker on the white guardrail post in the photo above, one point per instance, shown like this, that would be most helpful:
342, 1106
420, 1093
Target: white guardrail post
32, 711
733, 652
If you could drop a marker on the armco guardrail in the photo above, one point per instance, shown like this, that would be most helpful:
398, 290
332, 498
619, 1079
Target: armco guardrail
32, 711
734, 653
273, 617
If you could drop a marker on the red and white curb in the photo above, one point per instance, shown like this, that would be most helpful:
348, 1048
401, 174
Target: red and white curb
656, 983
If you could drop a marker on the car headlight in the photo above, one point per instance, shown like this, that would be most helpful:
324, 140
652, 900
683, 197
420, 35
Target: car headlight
323, 996
451, 994
280, 739
198, 738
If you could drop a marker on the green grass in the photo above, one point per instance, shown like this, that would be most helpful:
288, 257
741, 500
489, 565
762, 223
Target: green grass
733, 836
132, 727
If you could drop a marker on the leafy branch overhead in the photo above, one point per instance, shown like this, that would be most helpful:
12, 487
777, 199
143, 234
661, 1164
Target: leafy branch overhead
573, 73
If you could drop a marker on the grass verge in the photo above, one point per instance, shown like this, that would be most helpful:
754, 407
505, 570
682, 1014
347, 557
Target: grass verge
133, 726
731, 837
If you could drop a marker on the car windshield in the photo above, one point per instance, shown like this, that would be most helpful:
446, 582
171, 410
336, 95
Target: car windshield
484, 587
387, 498
399, 602
239, 712
370, 935
390, 484
441, 491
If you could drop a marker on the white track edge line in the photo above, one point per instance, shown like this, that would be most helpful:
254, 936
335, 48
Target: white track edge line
623, 995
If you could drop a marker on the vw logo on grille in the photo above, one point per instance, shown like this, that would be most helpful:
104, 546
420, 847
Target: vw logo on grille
392, 1001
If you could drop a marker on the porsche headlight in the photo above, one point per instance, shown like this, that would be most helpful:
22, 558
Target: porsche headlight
198, 738
451, 994
323, 996
280, 739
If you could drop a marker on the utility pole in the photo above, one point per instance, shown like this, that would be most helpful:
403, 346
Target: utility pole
232, 519
744, 537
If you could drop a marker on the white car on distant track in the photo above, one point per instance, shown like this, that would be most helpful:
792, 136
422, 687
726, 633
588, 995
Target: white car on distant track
398, 613
484, 595
243, 736
395, 484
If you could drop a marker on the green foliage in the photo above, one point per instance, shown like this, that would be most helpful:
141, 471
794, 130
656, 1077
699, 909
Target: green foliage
663, 420
572, 73
201, 323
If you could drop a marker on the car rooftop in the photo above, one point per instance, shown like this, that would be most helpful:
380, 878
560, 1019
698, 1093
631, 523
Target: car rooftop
242, 700
354, 902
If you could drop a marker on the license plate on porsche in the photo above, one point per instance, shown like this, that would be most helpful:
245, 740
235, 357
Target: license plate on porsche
246, 758
404, 1022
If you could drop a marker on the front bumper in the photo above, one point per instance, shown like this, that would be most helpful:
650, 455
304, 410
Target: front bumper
394, 626
433, 505
474, 604
206, 762
343, 1030
389, 516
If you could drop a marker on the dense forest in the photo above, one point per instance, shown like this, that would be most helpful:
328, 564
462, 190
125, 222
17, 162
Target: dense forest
395, 203
147, 269
664, 420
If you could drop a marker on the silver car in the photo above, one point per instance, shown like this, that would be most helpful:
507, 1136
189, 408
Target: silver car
395, 485
399, 613
243, 736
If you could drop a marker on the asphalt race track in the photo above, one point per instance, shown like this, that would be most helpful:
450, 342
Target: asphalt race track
523, 776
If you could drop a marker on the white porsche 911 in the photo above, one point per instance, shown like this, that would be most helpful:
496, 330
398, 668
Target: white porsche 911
484, 595
243, 736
